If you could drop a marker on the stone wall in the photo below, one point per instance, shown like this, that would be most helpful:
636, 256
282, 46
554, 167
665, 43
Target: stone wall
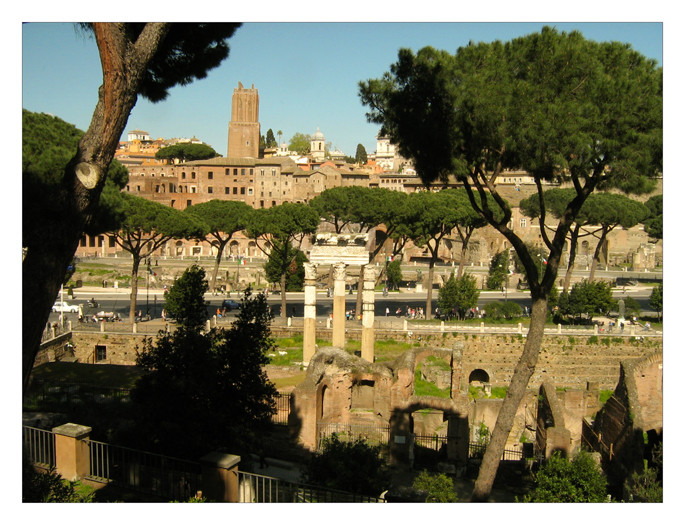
568, 362
119, 349
635, 408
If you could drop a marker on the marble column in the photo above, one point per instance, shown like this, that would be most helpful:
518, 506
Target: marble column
309, 331
339, 305
368, 300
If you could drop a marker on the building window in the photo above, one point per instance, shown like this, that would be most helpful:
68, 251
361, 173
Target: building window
227, 190
193, 189
273, 172
242, 191
192, 175
228, 171
251, 171
261, 172
183, 174
112, 242
235, 171
210, 175
249, 191
189, 203
91, 242
84, 242
210, 189
100, 353
235, 191
524, 222
242, 171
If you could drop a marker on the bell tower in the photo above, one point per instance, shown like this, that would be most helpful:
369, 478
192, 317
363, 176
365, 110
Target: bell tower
243, 129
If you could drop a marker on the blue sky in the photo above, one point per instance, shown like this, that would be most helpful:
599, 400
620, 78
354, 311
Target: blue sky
306, 73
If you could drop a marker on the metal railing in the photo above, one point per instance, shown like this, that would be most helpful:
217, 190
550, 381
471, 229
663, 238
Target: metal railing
163, 476
282, 413
56, 394
39, 446
434, 442
371, 433
255, 488
477, 450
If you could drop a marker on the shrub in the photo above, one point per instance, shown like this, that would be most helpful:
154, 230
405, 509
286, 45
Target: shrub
439, 488
561, 480
352, 466
503, 310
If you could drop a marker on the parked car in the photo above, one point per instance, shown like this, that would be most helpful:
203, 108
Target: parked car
62, 306
230, 304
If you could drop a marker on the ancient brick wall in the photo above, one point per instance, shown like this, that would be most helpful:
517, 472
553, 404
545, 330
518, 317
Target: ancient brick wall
566, 361
119, 349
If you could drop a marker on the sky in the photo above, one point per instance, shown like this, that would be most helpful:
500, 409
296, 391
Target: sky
307, 74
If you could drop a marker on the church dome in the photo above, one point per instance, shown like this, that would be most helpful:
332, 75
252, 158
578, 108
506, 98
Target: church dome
318, 135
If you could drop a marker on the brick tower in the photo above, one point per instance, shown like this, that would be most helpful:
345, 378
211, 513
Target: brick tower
243, 129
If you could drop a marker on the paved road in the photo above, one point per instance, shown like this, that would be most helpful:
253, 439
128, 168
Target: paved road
117, 300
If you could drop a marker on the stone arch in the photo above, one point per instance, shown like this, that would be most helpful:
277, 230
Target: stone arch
584, 247
323, 403
479, 375
179, 248
252, 249
234, 248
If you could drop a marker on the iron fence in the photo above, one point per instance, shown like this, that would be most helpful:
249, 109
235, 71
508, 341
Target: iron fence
162, 476
255, 488
282, 413
39, 446
55, 394
477, 450
377, 434
434, 442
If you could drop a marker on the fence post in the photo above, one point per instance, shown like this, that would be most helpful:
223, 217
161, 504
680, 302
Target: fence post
72, 453
220, 477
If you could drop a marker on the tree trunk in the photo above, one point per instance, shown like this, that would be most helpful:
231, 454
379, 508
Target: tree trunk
517, 389
429, 291
217, 263
464, 249
134, 288
571, 257
284, 303
595, 257
462, 260
49, 252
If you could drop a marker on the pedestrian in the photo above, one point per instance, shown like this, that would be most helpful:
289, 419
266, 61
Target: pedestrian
218, 313
387, 311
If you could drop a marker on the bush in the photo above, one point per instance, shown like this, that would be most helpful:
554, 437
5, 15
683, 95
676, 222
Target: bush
438, 488
49, 487
563, 481
352, 466
503, 310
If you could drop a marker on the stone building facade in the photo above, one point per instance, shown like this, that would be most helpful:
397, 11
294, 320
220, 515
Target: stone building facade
270, 181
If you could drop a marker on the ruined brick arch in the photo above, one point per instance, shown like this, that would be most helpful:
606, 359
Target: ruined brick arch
234, 248
480, 375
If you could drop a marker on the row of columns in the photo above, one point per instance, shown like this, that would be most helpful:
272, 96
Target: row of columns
338, 339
